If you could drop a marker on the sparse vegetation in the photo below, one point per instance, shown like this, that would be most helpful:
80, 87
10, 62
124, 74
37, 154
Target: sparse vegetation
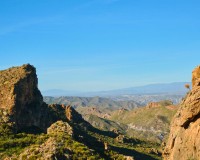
187, 86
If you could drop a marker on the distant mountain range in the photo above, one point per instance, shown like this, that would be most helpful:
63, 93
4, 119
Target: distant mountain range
99, 102
176, 88
60, 92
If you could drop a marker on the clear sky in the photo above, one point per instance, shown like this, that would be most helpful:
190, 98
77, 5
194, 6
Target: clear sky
90, 45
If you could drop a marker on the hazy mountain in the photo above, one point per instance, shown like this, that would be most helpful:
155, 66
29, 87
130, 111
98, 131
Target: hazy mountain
60, 92
176, 88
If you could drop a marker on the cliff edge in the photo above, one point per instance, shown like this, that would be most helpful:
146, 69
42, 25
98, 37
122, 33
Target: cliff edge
21, 103
184, 138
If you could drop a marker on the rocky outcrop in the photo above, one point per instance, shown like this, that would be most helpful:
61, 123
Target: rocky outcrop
163, 103
120, 138
196, 77
54, 147
153, 105
184, 138
21, 103
50, 150
72, 115
20, 96
60, 127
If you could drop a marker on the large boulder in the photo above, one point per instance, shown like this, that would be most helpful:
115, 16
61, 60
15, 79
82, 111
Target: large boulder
184, 138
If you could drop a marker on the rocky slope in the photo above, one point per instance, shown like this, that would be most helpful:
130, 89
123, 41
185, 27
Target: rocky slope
149, 123
184, 138
105, 124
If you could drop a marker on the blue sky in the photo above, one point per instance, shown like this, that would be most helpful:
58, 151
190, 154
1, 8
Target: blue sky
91, 45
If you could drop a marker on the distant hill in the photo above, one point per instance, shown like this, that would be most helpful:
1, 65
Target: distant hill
147, 98
148, 123
151, 122
128, 117
98, 102
112, 103
176, 88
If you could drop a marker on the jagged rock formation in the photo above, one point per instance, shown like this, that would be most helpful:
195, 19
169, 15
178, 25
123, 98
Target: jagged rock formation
184, 138
120, 138
21, 103
50, 149
60, 127
72, 115
159, 104
102, 113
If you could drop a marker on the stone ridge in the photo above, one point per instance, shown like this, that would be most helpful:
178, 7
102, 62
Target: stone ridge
184, 138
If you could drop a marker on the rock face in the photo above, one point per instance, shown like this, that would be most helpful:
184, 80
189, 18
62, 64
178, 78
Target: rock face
72, 115
196, 77
21, 103
50, 149
184, 138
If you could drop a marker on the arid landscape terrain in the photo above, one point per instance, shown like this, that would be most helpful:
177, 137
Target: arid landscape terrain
92, 128
99, 80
